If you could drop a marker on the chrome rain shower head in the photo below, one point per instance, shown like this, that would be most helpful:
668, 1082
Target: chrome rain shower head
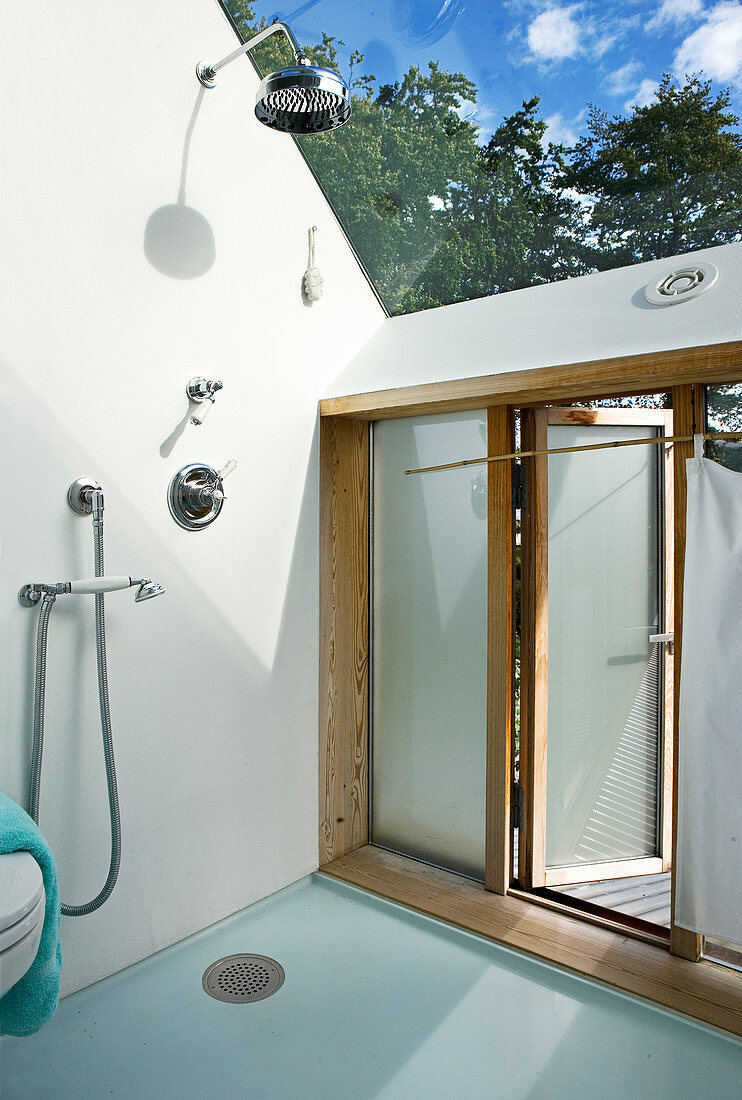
148, 589
303, 99
300, 99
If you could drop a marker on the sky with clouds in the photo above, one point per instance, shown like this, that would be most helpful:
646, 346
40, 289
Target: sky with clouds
570, 54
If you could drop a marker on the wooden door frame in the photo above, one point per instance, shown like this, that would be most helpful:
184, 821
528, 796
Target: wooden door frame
597, 948
532, 869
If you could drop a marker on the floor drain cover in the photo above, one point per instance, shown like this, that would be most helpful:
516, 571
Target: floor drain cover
241, 979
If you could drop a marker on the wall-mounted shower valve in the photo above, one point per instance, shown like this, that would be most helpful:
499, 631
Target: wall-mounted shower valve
204, 393
196, 494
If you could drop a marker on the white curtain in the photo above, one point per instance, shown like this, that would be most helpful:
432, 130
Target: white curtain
709, 848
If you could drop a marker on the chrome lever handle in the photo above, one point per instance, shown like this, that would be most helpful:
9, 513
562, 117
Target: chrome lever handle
203, 392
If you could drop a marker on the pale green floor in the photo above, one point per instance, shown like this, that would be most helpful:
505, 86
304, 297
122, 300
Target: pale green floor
377, 1002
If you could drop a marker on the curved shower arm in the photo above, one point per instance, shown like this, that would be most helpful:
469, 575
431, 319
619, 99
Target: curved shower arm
206, 73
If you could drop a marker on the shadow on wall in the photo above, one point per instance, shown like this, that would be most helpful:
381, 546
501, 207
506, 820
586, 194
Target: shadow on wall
178, 240
199, 614
261, 735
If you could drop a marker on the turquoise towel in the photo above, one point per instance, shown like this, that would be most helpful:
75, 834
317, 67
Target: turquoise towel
33, 1000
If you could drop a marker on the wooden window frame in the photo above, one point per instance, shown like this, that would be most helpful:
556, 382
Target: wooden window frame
598, 949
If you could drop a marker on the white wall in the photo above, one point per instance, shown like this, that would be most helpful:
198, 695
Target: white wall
213, 686
594, 317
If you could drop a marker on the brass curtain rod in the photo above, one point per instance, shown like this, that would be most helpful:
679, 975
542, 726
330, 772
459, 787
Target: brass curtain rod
570, 450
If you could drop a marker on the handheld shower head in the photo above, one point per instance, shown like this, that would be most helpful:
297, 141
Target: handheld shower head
148, 589
30, 594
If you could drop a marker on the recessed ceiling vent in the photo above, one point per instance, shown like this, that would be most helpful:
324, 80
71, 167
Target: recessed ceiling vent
681, 284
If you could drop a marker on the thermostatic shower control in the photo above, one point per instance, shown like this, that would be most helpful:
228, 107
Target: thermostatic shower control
196, 494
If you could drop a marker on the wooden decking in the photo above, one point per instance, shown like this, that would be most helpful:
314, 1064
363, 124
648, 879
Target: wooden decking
646, 897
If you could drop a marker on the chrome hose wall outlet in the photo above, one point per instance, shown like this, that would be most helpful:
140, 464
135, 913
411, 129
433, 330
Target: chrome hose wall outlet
79, 495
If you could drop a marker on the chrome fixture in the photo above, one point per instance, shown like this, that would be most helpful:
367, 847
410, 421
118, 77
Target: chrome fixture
148, 589
85, 497
81, 494
242, 979
301, 99
204, 393
30, 594
196, 494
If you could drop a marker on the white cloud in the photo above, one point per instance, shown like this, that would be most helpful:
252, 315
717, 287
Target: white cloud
675, 13
564, 32
466, 109
715, 48
484, 116
555, 34
486, 112
619, 82
603, 44
561, 130
643, 95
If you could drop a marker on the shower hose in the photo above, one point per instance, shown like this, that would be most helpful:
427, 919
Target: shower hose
47, 603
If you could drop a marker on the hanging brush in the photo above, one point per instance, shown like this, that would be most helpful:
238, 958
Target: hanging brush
313, 282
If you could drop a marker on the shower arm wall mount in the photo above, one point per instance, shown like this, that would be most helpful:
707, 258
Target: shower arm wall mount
206, 72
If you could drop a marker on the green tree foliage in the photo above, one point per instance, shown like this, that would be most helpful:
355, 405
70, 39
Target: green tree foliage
666, 180
437, 216
395, 171
510, 225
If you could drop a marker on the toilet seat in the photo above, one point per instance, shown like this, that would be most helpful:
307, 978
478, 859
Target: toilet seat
21, 886
15, 932
22, 910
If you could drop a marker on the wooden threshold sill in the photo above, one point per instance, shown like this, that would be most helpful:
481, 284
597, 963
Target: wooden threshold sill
702, 990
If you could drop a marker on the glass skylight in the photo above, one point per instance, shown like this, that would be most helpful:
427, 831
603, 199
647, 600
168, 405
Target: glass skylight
495, 146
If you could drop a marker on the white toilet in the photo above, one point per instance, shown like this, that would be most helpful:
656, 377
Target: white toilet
22, 901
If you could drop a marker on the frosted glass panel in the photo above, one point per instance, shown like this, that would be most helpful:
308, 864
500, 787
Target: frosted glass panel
604, 598
429, 641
